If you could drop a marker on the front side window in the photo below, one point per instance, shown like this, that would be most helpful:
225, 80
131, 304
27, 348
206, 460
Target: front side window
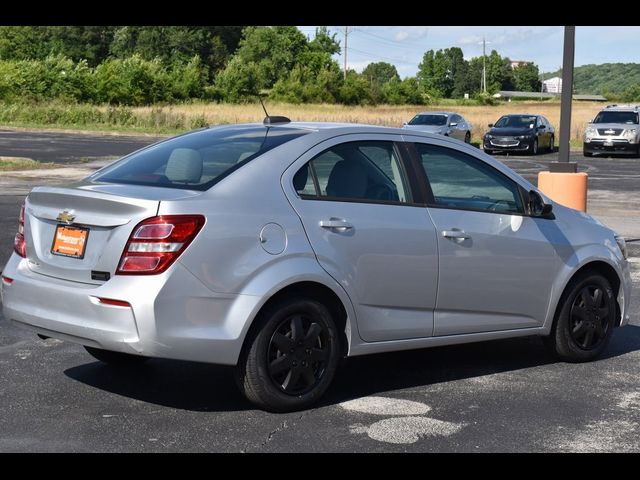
368, 171
461, 181
197, 160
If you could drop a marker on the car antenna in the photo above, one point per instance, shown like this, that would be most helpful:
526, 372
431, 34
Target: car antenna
269, 119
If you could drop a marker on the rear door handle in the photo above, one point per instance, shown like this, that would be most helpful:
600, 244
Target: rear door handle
336, 224
456, 234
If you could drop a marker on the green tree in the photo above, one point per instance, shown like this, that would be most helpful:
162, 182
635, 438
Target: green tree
407, 91
380, 72
499, 73
526, 78
432, 73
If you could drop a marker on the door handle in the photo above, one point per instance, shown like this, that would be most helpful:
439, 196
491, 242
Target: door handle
336, 224
456, 234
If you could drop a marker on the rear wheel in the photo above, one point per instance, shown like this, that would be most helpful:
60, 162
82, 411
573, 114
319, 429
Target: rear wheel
289, 362
467, 137
585, 321
552, 144
117, 359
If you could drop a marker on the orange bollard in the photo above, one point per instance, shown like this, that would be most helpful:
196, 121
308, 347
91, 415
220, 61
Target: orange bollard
568, 189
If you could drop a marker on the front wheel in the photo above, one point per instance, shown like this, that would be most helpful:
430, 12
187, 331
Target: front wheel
585, 321
534, 147
552, 144
289, 362
467, 137
116, 359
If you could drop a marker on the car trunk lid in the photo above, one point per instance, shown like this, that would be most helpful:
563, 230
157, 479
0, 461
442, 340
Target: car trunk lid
107, 213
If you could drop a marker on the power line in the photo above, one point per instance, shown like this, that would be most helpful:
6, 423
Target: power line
391, 42
380, 57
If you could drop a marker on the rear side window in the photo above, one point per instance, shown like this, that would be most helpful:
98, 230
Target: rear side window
461, 181
367, 171
197, 160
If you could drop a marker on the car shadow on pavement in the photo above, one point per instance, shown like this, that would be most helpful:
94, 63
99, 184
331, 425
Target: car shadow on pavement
202, 387
190, 386
374, 374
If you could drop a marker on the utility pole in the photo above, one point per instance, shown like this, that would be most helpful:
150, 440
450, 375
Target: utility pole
567, 96
346, 36
484, 65
563, 183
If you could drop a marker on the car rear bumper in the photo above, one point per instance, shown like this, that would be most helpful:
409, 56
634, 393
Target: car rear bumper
599, 146
172, 315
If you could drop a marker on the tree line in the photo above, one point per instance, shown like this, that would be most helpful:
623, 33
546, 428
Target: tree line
135, 65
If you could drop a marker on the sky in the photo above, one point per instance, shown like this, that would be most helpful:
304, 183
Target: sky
405, 46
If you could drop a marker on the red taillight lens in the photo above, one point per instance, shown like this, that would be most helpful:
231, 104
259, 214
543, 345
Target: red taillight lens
113, 302
19, 243
157, 242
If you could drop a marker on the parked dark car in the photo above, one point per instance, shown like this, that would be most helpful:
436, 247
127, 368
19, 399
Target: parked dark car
520, 133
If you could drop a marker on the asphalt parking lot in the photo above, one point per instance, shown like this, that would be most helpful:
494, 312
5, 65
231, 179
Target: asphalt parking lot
506, 396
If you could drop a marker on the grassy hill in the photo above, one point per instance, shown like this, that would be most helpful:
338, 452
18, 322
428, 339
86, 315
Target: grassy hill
602, 79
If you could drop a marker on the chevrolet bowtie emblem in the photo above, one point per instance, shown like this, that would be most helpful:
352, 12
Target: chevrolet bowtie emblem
66, 217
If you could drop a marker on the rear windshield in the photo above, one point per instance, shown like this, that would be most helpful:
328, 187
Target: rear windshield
429, 120
630, 118
197, 160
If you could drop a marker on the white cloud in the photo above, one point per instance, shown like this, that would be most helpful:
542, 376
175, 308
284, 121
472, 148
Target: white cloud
401, 35
469, 40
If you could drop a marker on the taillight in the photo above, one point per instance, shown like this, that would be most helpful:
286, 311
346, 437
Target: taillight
19, 243
157, 242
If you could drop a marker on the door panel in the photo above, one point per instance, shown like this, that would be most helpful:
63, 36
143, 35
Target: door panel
378, 246
495, 262
496, 279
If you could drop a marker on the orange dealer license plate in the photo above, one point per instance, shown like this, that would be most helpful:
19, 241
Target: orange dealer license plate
70, 241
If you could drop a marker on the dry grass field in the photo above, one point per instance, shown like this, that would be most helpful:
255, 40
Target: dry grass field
390, 115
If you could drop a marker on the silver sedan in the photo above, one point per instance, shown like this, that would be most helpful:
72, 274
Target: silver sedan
449, 124
281, 248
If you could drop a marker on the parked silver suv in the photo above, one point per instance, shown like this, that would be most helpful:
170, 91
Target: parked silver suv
616, 129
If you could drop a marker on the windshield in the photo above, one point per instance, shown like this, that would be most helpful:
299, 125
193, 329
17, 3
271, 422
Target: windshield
516, 121
429, 120
630, 118
197, 160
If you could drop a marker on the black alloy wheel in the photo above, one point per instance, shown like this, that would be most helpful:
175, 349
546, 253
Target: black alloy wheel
585, 319
298, 354
290, 357
589, 318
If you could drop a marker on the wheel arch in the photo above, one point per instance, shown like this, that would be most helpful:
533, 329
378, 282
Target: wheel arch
600, 266
313, 290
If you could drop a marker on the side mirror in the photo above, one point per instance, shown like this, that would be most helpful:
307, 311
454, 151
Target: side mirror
537, 207
404, 123
490, 125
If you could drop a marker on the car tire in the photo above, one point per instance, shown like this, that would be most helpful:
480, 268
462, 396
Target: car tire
552, 142
534, 147
290, 359
467, 137
585, 319
116, 359
488, 152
